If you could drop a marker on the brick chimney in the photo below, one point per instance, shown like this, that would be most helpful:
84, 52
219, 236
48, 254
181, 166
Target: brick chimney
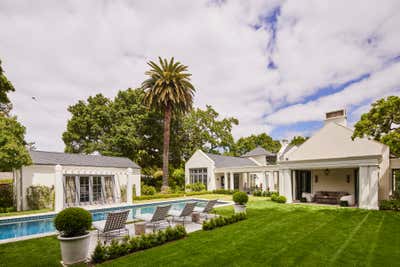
338, 116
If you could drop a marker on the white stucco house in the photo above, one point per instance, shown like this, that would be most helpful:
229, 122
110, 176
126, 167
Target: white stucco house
328, 166
78, 180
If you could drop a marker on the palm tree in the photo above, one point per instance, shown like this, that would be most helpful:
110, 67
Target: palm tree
168, 89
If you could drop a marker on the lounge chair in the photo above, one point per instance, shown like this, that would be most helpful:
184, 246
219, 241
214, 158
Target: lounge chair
157, 218
114, 225
208, 209
185, 212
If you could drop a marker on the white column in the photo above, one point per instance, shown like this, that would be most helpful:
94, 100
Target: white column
285, 185
225, 180
129, 185
136, 182
245, 179
58, 189
263, 181
271, 181
231, 178
368, 187
373, 187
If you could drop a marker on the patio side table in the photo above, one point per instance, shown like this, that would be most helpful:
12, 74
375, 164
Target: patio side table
140, 228
196, 217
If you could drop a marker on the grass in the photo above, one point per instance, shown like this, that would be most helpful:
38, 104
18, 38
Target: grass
25, 212
273, 235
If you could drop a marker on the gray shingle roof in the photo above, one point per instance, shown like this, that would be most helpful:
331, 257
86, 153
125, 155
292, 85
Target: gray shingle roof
227, 161
54, 158
258, 151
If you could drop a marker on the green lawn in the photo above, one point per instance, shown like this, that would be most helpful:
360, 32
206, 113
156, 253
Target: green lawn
273, 235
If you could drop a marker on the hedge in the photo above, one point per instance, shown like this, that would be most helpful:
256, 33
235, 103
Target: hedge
221, 221
130, 245
40, 197
393, 204
6, 197
156, 196
225, 191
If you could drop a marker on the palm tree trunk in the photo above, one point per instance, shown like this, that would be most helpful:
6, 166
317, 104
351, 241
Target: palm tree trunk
167, 124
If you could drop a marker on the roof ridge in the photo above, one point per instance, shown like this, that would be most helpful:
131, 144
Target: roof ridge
80, 154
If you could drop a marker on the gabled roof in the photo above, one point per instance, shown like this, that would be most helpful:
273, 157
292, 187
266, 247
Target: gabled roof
285, 150
228, 161
334, 141
54, 158
258, 151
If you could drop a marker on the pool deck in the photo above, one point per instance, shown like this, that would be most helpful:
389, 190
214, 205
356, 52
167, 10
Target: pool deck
190, 227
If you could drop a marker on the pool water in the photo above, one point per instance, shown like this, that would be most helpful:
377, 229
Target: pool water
33, 225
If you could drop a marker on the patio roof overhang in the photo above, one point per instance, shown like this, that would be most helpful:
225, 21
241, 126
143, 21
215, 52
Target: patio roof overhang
251, 169
349, 162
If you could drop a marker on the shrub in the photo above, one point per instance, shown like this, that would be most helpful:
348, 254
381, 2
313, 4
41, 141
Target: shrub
196, 187
122, 189
240, 198
6, 196
393, 204
281, 199
343, 203
73, 222
257, 193
130, 245
221, 221
40, 197
148, 190
177, 179
274, 196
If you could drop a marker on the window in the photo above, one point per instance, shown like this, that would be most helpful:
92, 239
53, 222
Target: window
198, 175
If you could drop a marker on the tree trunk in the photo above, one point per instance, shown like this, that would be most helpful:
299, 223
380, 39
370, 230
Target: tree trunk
167, 124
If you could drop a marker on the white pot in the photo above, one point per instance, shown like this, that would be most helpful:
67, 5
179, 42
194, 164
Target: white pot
74, 249
239, 208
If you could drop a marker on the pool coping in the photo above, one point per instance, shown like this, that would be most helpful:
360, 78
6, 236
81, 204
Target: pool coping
52, 213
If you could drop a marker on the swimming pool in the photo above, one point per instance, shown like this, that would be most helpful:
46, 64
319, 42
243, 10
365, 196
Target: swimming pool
43, 224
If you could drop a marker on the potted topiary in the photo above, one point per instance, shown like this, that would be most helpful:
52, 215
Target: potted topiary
240, 199
73, 225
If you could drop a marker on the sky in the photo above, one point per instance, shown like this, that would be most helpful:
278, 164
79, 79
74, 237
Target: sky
277, 66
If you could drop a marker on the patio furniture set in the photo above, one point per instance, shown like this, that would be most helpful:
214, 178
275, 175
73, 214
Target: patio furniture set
115, 223
328, 197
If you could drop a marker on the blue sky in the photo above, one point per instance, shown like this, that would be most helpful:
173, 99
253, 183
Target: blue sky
277, 66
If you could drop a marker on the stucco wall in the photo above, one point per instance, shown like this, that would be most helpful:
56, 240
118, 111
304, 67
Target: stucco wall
336, 180
200, 160
45, 175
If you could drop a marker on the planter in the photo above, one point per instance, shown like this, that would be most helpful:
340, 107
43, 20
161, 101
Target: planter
74, 249
239, 208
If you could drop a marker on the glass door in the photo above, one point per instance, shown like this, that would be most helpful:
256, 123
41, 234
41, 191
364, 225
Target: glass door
84, 190
303, 183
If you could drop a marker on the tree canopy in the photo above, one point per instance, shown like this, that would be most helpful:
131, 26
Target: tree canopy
5, 87
298, 140
246, 144
13, 154
382, 123
204, 130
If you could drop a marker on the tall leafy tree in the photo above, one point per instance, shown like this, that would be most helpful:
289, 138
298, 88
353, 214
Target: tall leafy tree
5, 87
13, 154
122, 126
246, 144
382, 123
204, 130
168, 89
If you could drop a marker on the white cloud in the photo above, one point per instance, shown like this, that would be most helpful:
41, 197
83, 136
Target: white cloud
61, 52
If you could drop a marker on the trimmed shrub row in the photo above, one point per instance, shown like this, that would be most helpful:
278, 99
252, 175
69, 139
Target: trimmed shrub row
393, 204
147, 197
259, 193
130, 245
225, 191
277, 198
148, 190
221, 221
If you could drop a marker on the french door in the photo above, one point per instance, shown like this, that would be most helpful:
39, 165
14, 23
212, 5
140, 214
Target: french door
303, 183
